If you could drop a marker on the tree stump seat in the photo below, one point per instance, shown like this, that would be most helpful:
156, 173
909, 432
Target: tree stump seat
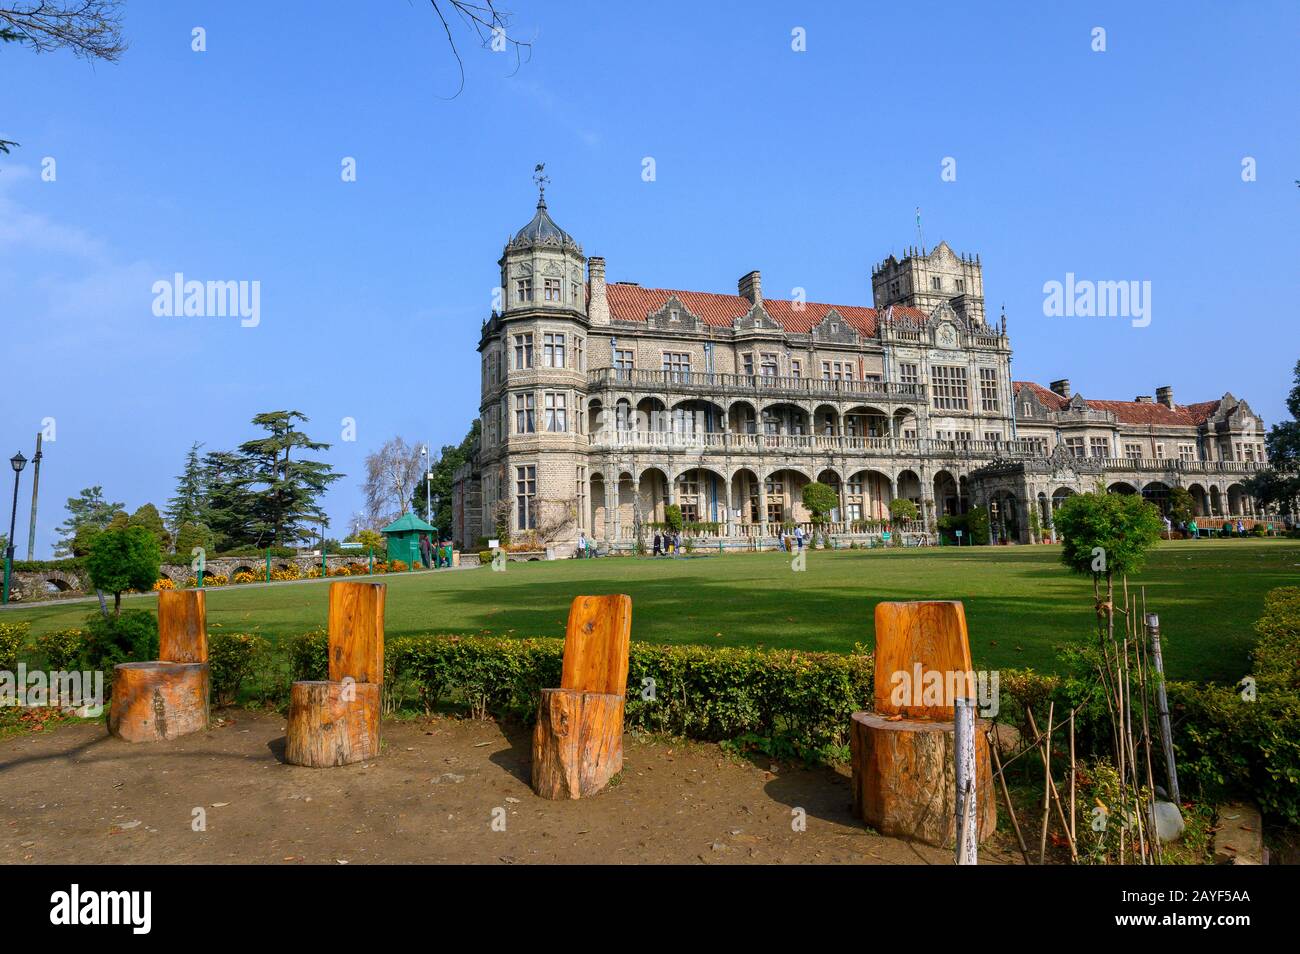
578, 739
168, 697
336, 721
902, 753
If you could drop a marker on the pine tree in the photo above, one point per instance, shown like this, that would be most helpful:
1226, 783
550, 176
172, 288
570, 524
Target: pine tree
286, 491
88, 509
188, 503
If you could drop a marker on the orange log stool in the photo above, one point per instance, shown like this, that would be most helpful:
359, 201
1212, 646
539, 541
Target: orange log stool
904, 776
336, 721
168, 697
578, 740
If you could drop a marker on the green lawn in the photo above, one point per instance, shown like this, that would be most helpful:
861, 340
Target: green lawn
1020, 602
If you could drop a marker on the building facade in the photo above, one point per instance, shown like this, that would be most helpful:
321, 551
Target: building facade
603, 403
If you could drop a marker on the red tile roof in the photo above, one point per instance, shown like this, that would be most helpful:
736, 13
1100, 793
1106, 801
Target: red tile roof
634, 303
1131, 412
1046, 396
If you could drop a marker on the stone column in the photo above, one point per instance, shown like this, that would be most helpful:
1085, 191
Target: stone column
611, 509
762, 505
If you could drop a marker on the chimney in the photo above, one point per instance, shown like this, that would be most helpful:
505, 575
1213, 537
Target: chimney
597, 304
1165, 396
1145, 399
751, 287
1061, 387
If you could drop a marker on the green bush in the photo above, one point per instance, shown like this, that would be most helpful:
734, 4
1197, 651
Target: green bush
233, 658
309, 656
63, 651
13, 636
698, 692
1277, 654
131, 636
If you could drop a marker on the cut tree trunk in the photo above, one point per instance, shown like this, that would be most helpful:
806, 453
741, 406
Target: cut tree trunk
904, 784
577, 743
153, 701
356, 631
182, 626
332, 723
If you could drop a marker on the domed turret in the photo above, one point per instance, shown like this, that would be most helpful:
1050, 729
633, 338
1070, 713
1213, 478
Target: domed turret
542, 230
542, 265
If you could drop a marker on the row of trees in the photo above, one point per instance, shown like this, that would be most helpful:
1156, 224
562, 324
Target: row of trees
265, 493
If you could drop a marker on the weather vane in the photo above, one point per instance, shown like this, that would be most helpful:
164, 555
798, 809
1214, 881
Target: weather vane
541, 178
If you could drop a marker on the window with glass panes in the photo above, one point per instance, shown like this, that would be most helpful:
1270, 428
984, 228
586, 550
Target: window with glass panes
1099, 447
523, 351
907, 374
552, 289
525, 422
523, 289
988, 389
1187, 452
623, 363
950, 388
1133, 451
768, 366
552, 350
526, 496
677, 362
556, 411
1074, 445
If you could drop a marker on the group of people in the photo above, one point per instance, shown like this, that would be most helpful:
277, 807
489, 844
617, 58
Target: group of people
1193, 531
432, 556
667, 542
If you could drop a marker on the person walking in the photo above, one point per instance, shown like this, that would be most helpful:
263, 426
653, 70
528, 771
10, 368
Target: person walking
1193, 529
659, 541
582, 544
798, 537
424, 550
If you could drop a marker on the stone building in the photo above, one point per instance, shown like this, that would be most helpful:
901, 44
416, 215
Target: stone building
604, 402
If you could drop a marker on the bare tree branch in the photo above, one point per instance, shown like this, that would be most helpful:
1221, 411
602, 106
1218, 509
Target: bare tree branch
490, 26
91, 29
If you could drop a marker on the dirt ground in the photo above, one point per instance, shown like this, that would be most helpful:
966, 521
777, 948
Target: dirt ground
74, 795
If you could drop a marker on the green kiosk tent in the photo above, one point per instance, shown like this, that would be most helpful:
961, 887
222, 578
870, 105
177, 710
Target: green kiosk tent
403, 536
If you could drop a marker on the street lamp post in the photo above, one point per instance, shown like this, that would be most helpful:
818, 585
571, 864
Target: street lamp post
18, 462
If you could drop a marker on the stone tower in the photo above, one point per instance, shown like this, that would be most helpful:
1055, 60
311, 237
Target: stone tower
923, 281
533, 445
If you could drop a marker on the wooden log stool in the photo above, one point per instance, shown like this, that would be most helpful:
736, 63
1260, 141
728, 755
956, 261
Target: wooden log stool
904, 775
578, 740
167, 697
336, 721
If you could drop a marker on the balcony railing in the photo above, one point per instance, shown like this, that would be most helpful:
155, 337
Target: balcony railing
731, 442
707, 382
739, 443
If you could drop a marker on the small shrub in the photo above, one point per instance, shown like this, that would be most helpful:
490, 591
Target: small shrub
358, 569
12, 638
309, 656
244, 576
164, 583
131, 636
63, 651
232, 659
397, 566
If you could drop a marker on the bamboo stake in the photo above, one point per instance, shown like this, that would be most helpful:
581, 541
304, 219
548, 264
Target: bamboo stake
1073, 832
1006, 795
1056, 797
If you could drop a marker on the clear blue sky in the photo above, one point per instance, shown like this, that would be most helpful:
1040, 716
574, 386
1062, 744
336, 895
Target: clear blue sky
226, 165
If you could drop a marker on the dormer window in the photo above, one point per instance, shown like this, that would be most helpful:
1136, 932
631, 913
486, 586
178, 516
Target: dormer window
673, 315
835, 327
